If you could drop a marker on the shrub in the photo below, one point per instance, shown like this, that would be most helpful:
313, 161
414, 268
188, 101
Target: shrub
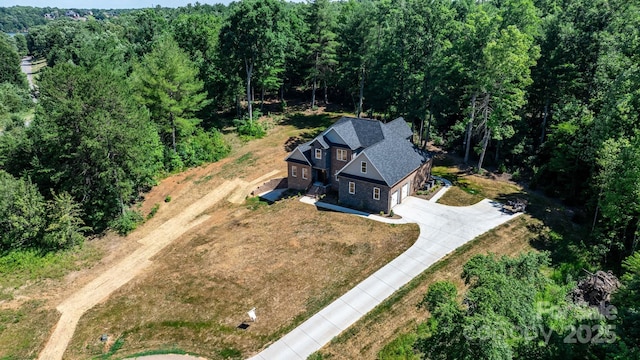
167, 198
126, 222
203, 147
249, 129
153, 211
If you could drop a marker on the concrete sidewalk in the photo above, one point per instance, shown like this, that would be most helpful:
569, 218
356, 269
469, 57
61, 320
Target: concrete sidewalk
442, 229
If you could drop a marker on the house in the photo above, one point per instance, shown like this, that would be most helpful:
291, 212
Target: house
370, 164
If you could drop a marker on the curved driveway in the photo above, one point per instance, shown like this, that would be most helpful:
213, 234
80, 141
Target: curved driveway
442, 229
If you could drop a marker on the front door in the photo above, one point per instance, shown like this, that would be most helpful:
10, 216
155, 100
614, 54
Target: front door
321, 176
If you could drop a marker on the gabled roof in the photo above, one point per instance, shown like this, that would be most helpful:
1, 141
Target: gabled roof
385, 145
394, 159
400, 127
301, 154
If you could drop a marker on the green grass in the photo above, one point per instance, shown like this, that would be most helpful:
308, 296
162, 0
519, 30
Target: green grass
19, 266
255, 203
159, 352
246, 159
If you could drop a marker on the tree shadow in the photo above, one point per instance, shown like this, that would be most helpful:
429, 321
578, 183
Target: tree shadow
556, 232
313, 122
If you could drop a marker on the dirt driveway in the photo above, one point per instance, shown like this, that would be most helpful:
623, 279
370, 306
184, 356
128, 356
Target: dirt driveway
102, 286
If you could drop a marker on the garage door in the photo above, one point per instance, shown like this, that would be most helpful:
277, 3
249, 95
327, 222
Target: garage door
405, 190
394, 199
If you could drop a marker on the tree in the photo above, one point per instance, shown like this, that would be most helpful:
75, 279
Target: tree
166, 82
21, 44
507, 62
628, 299
91, 140
255, 39
65, 224
322, 46
22, 213
501, 296
10, 64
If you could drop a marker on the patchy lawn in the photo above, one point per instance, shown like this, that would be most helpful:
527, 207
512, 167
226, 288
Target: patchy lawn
469, 189
399, 314
288, 260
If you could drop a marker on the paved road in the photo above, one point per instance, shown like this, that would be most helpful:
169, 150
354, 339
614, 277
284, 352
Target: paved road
25, 66
442, 229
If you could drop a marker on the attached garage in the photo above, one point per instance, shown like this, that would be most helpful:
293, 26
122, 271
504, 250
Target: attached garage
394, 199
405, 191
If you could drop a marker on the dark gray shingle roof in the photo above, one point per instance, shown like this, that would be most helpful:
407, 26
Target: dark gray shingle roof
400, 127
394, 158
385, 145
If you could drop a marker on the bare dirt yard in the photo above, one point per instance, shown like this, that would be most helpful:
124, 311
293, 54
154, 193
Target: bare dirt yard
287, 259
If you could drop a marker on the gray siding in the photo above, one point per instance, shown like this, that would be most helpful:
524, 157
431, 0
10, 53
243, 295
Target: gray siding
354, 168
363, 198
322, 163
332, 136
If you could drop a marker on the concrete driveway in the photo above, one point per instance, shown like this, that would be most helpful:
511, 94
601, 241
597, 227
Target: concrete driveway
442, 229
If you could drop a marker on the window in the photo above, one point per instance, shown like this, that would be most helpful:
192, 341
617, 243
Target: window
318, 153
294, 171
304, 173
352, 187
341, 154
376, 193
363, 167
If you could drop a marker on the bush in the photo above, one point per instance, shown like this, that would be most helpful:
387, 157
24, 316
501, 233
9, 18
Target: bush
249, 129
172, 161
167, 198
203, 147
153, 211
126, 222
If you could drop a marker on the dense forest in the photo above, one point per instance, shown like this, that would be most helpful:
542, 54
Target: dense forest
546, 90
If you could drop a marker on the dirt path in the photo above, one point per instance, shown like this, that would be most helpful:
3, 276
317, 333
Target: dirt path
128, 268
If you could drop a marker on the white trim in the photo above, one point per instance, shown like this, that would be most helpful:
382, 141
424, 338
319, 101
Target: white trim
363, 167
338, 135
294, 171
304, 173
302, 154
374, 193
354, 187
318, 153
338, 151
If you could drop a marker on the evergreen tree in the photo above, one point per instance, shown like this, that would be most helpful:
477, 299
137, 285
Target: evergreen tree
91, 140
322, 46
166, 82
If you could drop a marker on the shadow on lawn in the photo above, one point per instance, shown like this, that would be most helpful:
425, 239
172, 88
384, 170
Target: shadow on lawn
555, 232
315, 124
